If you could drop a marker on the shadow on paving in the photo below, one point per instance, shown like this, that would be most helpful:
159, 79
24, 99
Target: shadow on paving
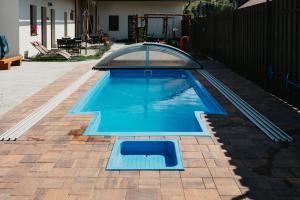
263, 169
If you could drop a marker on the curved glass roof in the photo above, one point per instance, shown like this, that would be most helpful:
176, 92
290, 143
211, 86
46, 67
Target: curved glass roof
148, 55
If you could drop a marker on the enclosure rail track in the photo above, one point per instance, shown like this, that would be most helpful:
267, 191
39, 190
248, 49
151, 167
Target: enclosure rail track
28, 122
264, 124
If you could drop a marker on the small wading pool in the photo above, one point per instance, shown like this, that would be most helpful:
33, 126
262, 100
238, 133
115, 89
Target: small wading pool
145, 155
147, 102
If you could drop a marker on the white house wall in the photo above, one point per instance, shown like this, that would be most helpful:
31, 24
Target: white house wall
123, 9
9, 24
60, 6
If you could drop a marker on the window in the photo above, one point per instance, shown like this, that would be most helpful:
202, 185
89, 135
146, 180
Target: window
33, 20
113, 23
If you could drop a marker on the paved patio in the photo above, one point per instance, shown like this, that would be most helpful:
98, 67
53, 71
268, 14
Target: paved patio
237, 162
19, 83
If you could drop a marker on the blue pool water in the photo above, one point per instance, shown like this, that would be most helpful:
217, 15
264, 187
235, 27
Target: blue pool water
159, 102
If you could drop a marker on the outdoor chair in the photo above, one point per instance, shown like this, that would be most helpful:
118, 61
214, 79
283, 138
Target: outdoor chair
61, 44
43, 51
72, 46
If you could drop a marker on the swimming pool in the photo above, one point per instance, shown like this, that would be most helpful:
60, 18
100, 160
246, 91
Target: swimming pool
147, 103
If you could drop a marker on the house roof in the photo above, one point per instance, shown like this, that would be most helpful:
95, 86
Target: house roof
252, 3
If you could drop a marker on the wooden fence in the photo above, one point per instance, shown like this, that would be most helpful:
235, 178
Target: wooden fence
262, 43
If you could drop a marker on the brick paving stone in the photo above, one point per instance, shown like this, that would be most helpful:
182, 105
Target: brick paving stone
149, 182
210, 163
63, 172
108, 194
4, 171
152, 174
223, 163
202, 147
195, 173
201, 194
214, 147
27, 187
143, 194
79, 188
64, 163
117, 183
171, 183
188, 140
228, 197
220, 172
53, 163
42, 167
190, 183
18, 198
169, 174
204, 140
50, 156
105, 183
227, 186
30, 158
79, 197
52, 183
189, 147
171, 192
196, 154
212, 155
209, 183
194, 162
55, 194
89, 172
10, 160
129, 174
4, 196
172, 197
103, 173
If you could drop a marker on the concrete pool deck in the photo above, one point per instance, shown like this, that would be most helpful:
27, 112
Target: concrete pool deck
20, 83
237, 162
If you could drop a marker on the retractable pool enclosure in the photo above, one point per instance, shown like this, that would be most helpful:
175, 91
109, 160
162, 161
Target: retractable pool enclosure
148, 55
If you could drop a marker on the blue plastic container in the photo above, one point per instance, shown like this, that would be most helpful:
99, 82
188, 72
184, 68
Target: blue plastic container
145, 155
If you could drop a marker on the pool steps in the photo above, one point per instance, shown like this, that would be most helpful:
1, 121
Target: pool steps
263, 123
151, 155
28, 122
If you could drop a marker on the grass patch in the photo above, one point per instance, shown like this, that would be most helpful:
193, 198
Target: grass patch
76, 58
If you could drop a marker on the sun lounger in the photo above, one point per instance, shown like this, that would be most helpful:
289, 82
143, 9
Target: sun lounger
43, 51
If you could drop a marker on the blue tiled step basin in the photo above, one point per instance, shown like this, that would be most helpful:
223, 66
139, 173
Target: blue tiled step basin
145, 155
